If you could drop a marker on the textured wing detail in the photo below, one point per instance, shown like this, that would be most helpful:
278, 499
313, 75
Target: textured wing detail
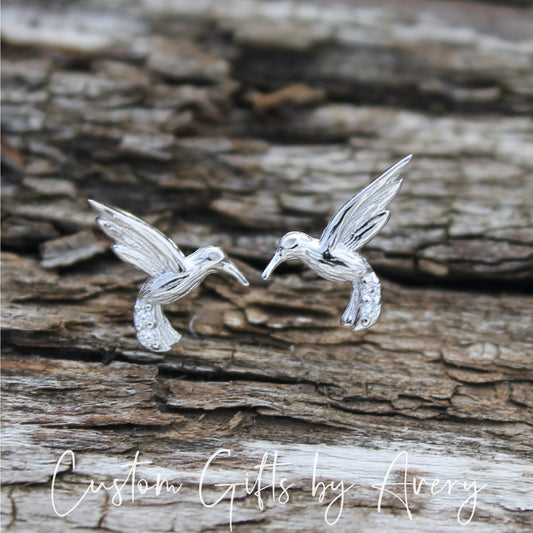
138, 243
363, 216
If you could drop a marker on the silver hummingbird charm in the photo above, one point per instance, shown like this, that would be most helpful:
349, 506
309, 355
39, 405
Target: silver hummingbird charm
172, 274
334, 256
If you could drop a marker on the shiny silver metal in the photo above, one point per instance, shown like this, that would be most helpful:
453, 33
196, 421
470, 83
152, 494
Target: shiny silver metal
334, 256
172, 274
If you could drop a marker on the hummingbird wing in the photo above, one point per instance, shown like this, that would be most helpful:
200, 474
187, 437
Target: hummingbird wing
138, 243
362, 217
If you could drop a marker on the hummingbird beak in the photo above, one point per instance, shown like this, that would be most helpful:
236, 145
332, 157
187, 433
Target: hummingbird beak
274, 262
230, 268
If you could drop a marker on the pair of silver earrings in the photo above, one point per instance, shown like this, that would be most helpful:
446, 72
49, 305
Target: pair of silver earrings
334, 257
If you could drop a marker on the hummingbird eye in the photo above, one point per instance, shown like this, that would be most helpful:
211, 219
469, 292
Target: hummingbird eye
212, 256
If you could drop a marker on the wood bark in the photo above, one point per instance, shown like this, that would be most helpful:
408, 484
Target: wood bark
230, 123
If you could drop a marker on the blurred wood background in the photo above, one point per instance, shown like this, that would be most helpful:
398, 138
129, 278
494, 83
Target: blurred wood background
230, 123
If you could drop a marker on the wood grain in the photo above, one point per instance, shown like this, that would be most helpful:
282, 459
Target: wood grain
230, 124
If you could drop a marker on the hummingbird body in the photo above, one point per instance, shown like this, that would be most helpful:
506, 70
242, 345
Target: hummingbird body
171, 286
334, 256
339, 264
172, 274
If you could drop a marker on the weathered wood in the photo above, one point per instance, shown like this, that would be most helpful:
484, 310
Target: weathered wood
230, 123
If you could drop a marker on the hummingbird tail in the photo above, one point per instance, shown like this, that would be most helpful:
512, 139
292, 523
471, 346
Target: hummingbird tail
154, 331
364, 307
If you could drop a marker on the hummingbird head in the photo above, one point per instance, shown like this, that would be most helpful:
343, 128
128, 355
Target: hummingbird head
213, 259
290, 247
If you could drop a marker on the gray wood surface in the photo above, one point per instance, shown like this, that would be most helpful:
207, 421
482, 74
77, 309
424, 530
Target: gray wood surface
230, 123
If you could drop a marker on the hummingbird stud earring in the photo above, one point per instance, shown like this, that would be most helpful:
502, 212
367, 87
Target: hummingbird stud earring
334, 256
172, 274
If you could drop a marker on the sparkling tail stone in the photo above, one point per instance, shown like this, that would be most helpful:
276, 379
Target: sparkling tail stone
365, 303
370, 294
154, 331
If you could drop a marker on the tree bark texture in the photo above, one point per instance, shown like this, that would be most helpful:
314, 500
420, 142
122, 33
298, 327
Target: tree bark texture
231, 123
